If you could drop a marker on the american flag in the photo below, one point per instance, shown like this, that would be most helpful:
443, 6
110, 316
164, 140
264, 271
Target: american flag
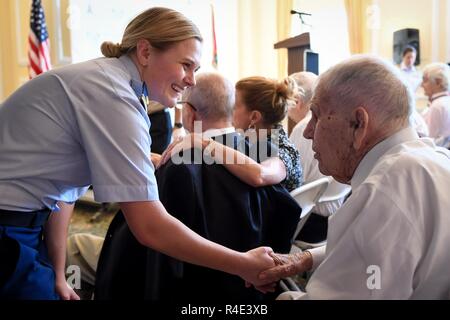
38, 43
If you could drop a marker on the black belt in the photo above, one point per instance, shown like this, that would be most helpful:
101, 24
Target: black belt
24, 219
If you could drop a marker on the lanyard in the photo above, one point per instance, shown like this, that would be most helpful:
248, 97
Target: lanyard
144, 100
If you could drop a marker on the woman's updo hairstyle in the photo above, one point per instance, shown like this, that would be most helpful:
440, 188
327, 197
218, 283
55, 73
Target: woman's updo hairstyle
270, 97
162, 27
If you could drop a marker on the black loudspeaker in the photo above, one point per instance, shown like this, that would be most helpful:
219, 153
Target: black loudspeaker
403, 38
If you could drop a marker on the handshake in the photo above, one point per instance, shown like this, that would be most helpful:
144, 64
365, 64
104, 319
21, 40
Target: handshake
276, 266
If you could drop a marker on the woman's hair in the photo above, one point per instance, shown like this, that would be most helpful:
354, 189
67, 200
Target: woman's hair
162, 27
270, 97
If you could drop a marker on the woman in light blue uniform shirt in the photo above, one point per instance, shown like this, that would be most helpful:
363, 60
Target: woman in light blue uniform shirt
87, 124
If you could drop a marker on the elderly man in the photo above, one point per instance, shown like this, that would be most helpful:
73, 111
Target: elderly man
435, 83
390, 239
212, 202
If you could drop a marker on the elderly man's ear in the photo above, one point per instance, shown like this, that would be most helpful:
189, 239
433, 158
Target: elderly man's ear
361, 123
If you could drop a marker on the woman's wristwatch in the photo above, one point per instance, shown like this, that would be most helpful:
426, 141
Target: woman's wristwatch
178, 125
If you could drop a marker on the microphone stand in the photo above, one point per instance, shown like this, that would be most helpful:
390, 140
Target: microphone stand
300, 15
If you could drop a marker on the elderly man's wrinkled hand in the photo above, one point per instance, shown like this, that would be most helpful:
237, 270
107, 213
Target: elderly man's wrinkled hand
287, 265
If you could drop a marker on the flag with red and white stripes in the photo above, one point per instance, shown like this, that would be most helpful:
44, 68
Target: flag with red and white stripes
215, 59
38, 42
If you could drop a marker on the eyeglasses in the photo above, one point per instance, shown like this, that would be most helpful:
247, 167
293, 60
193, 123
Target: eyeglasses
180, 103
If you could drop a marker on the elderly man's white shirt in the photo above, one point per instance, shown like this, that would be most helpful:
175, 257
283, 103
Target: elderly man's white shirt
396, 222
438, 116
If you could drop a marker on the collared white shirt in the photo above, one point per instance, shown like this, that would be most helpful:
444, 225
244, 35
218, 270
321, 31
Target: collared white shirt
71, 127
390, 239
438, 116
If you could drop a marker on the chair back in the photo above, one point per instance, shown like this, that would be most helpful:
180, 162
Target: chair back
307, 196
335, 192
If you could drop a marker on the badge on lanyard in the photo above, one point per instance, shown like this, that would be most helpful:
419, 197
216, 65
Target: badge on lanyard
144, 100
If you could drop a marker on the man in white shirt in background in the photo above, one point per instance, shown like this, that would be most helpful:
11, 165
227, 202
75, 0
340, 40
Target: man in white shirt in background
390, 239
435, 83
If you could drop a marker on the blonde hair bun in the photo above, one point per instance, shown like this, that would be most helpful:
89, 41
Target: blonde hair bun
111, 50
286, 91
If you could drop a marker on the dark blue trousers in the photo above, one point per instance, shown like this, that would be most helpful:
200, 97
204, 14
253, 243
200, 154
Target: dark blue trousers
25, 271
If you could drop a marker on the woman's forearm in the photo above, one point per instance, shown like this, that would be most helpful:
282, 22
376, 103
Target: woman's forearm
268, 172
56, 238
155, 228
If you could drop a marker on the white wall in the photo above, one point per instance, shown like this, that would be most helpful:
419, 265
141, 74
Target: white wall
329, 35
96, 21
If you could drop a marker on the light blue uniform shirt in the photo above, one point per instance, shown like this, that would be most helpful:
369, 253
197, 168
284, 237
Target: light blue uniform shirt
75, 126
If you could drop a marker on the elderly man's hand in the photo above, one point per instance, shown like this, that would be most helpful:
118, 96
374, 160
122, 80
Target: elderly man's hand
287, 265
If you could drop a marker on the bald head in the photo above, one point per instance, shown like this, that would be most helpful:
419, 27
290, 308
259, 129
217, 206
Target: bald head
305, 82
213, 99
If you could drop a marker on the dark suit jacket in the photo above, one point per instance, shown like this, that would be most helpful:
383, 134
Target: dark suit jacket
216, 205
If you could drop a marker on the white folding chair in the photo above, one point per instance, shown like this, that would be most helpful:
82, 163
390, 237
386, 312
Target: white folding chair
307, 196
335, 192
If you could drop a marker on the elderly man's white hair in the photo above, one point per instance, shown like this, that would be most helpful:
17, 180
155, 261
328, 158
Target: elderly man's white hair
439, 74
213, 96
369, 82
305, 81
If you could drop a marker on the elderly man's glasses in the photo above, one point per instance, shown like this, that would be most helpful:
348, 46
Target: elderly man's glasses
180, 104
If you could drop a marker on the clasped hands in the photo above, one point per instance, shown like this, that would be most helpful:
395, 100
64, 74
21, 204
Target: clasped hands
286, 265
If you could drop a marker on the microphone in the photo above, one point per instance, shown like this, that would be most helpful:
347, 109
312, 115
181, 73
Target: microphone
300, 13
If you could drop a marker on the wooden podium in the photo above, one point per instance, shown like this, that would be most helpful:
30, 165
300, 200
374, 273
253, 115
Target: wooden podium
296, 51
296, 48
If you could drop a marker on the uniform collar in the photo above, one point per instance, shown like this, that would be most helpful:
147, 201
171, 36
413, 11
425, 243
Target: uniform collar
135, 81
371, 158
139, 87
